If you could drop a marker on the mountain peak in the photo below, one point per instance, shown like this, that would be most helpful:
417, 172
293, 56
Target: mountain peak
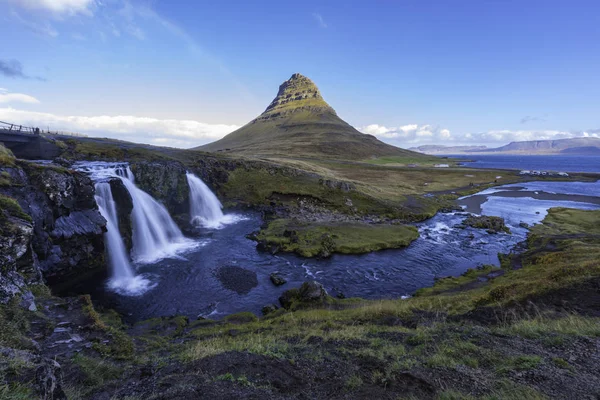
298, 122
298, 93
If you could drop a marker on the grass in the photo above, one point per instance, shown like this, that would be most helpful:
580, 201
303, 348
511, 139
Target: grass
310, 240
405, 160
10, 207
97, 371
7, 158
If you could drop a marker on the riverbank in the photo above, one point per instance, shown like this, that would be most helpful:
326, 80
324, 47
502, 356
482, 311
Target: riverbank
528, 330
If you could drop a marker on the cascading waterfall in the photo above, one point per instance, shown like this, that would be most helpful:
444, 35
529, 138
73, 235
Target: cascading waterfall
155, 234
205, 207
123, 279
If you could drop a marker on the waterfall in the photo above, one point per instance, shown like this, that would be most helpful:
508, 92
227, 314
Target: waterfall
205, 208
123, 279
155, 234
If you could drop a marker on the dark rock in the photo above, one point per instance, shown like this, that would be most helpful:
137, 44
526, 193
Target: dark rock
268, 309
267, 247
289, 297
277, 279
62, 162
238, 279
67, 228
524, 225
49, 377
124, 205
165, 181
312, 291
491, 224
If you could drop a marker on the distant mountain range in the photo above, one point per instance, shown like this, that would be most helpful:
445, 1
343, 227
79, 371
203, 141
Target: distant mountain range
575, 146
299, 123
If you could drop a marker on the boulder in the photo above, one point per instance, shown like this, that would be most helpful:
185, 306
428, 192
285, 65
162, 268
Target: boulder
277, 280
309, 293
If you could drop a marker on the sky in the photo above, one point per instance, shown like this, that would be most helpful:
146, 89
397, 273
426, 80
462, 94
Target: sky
184, 73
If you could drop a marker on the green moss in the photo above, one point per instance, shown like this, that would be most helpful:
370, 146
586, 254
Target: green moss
520, 363
120, 345
10, 207
451, 283
311, 239
241, 317
16, 391
97, 371
15, 323
7, 158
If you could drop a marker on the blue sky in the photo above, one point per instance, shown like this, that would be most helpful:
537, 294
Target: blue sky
182, 73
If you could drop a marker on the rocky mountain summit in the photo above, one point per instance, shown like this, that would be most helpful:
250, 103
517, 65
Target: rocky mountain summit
298, 93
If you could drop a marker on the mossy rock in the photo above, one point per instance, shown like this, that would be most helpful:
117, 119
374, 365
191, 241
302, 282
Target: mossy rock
322, 240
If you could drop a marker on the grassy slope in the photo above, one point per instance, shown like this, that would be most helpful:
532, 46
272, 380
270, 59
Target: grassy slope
306, 134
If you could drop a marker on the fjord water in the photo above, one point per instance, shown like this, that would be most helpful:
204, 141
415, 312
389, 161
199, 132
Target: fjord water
567, 163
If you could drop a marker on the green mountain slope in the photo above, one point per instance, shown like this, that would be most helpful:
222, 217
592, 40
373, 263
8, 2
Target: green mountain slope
299, 123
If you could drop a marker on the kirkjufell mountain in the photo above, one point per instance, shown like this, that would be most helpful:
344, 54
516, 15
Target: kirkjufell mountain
300, 123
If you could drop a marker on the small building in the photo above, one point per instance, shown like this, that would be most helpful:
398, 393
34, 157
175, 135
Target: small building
563, 174
525, 172
442, 165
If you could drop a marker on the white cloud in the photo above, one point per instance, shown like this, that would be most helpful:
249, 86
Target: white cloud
319, 18
7, 98
414, 134
162, 132
58, 7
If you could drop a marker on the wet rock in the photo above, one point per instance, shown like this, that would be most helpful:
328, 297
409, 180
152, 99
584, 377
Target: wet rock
62, 162
124, 205
524, 225
491, 224
238, 279
165, 181
267, 247
268, 309
310, 292
276, 279
66, 224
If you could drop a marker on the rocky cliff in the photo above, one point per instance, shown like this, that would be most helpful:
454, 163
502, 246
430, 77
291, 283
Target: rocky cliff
61, 227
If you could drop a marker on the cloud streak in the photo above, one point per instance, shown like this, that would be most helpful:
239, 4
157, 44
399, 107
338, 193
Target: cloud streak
429, 134
319, 18
58, 7
160, 132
